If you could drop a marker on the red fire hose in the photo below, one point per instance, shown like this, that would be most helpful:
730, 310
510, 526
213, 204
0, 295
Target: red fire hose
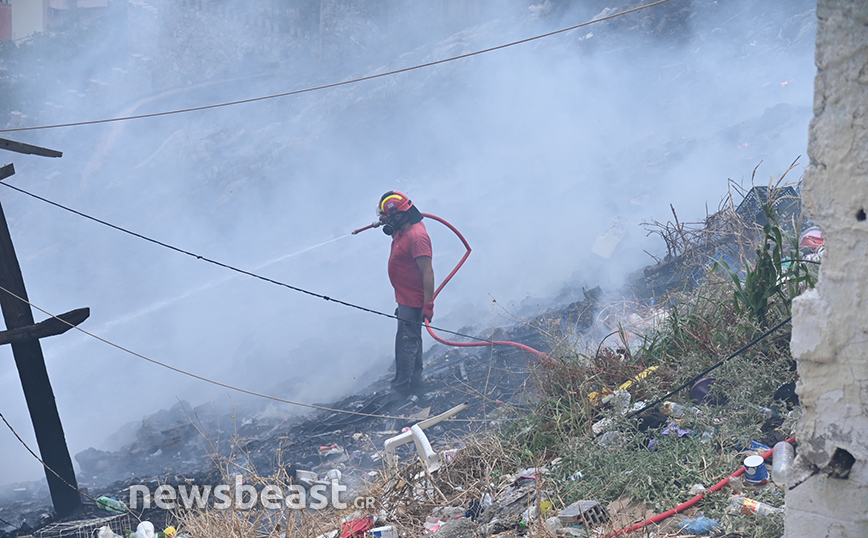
684, 506
447, 279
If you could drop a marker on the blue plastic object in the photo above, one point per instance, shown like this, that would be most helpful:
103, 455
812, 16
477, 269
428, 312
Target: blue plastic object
700, 525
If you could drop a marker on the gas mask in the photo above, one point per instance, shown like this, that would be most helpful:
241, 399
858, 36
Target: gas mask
392, 223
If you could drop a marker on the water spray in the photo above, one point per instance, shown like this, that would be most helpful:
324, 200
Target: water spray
437, 291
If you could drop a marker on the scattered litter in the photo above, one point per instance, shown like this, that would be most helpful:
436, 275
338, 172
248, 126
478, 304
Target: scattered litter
752, 507
696, 489
86, 527
676, 410
607, 241
671, 429
610, 440
305, 478
333, 475
651, 421
700, 392
111, 505
528, 516
758, 447
531, 472
474, 508
736, 484
106, 532
145, 529
576, 530
432, 524
602, 425
509, 509
755, 471
356, 527
677, 430
619, 400
448, 456
596, 397
812, 240
590, 513
382, 532
422, 414
700, 525
553, 524
431, 460
782, 460
457, 528
330, 449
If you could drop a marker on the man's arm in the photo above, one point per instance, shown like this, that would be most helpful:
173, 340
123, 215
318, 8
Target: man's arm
424, 263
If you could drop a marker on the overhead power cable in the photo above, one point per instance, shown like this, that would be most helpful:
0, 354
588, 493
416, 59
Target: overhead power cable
230, 267
708, 370
342, 83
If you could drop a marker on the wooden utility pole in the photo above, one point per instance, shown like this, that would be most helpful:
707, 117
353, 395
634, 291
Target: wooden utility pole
23, 335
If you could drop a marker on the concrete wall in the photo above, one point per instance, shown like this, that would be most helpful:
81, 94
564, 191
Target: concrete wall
828, 489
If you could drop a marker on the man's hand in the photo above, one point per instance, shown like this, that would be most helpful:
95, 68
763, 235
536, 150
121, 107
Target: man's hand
428, 311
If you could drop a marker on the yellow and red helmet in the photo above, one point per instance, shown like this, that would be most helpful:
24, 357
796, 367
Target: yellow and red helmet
393, 202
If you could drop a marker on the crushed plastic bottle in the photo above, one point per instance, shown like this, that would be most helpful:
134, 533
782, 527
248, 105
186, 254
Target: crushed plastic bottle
782, 460
676, 410
111, 505
528, 515
752, 507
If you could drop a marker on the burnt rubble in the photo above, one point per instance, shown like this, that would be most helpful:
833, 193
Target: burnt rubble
186, 444
175, 446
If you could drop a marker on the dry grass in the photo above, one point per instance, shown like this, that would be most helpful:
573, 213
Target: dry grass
404, 496
685, 333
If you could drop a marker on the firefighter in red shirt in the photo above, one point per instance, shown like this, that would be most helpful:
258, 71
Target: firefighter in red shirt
412, 276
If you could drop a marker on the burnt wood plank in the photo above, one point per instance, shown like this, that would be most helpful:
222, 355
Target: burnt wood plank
28, 149
6, 171
48, 327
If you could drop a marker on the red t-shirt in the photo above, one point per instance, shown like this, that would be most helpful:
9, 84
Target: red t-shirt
403, 272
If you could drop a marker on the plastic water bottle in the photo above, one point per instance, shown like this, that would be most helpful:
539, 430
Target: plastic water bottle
782, 460
752, 507
111, 505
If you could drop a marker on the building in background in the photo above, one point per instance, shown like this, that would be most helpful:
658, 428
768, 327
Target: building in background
5, 20
20, 19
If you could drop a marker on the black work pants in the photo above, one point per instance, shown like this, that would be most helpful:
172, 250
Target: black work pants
408, 349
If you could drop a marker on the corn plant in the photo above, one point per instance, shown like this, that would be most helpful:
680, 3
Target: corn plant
772, 274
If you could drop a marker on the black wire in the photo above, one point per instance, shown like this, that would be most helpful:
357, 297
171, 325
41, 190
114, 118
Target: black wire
55, 473
709, 369
236, 269
343, 83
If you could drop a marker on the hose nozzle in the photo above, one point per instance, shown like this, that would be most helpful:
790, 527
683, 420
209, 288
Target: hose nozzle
375, 224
